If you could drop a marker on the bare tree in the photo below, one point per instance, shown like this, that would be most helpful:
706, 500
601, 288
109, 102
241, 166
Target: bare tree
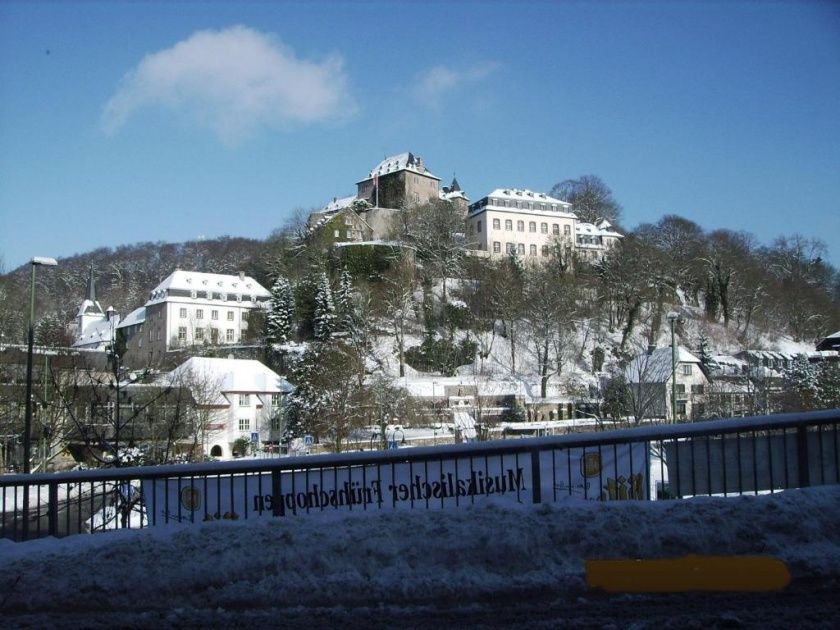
400, 282
590, 197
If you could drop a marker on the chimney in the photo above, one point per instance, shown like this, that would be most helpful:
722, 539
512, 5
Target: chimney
242, 276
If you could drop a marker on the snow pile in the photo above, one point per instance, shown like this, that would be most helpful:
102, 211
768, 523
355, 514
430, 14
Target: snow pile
422, 558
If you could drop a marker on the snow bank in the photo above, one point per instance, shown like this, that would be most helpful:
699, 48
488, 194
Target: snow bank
419, 558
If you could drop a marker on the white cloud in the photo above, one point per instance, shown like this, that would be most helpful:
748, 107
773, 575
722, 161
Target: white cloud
431, 86
234, 81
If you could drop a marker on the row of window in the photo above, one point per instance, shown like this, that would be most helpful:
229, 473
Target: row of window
696, 388
532, 227
198, 334
208, 295
513, 203
245, 400
199, 314
519, 248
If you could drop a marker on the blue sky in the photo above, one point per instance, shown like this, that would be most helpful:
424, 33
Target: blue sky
122, 123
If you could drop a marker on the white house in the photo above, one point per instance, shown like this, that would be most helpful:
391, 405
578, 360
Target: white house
522, 221
594, 240
236, 398
190, 308
649, 376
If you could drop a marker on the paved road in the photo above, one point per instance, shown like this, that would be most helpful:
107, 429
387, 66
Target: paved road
812, 604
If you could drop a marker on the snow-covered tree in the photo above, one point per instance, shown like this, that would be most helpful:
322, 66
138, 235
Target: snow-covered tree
324, 323
811, 385
280, 317
703, 350
344, 300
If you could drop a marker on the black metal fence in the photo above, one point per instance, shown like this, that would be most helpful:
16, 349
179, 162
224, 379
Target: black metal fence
723, 457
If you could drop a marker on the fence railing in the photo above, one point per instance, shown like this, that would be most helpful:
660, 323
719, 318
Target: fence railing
721, 457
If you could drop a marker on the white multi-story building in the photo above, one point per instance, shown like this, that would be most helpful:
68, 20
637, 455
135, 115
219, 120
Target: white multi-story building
522, 221
236, 399
190, 308
594, 240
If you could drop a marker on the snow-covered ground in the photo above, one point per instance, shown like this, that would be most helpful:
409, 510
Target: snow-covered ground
485, 565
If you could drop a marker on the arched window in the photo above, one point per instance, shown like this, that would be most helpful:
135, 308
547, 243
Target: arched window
216, 451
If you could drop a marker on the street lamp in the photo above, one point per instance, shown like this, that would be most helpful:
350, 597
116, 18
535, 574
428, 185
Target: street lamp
27, 423
672, 319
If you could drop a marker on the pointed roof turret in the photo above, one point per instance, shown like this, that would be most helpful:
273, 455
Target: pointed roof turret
90, 306
90, 290
454, 187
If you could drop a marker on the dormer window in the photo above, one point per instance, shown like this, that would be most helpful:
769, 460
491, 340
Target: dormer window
193, 294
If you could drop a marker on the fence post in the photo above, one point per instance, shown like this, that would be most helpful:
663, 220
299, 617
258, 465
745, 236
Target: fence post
802, 457
535, 476
52, 508
25, 513
276, 498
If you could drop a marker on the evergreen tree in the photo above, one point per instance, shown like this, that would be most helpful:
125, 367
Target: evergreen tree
325, 319
703, 351
279, 323
344, 301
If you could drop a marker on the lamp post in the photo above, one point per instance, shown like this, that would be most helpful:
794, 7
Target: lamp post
27, 423
672, 319
115, 364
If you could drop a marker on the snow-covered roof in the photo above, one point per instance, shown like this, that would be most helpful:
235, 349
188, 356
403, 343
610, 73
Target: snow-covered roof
228, 376
90, 307
374, 242
656, 366
401, 162
523, 194
770, 354
464, 422
137, 316
95, 334
522, 200
202, 282
454, 194
338, 203
603, 228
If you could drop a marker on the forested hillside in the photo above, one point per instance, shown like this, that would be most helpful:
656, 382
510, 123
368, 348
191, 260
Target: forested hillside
754, 291
124, 276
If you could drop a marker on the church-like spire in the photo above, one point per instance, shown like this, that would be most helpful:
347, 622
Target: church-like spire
90, 290
454, 187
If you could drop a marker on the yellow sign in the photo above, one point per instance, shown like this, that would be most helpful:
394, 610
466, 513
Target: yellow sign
691, 573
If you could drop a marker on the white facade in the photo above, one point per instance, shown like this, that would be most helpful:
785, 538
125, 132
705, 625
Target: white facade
239, 397
530, 223
190, 308
653, 371
594, 240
